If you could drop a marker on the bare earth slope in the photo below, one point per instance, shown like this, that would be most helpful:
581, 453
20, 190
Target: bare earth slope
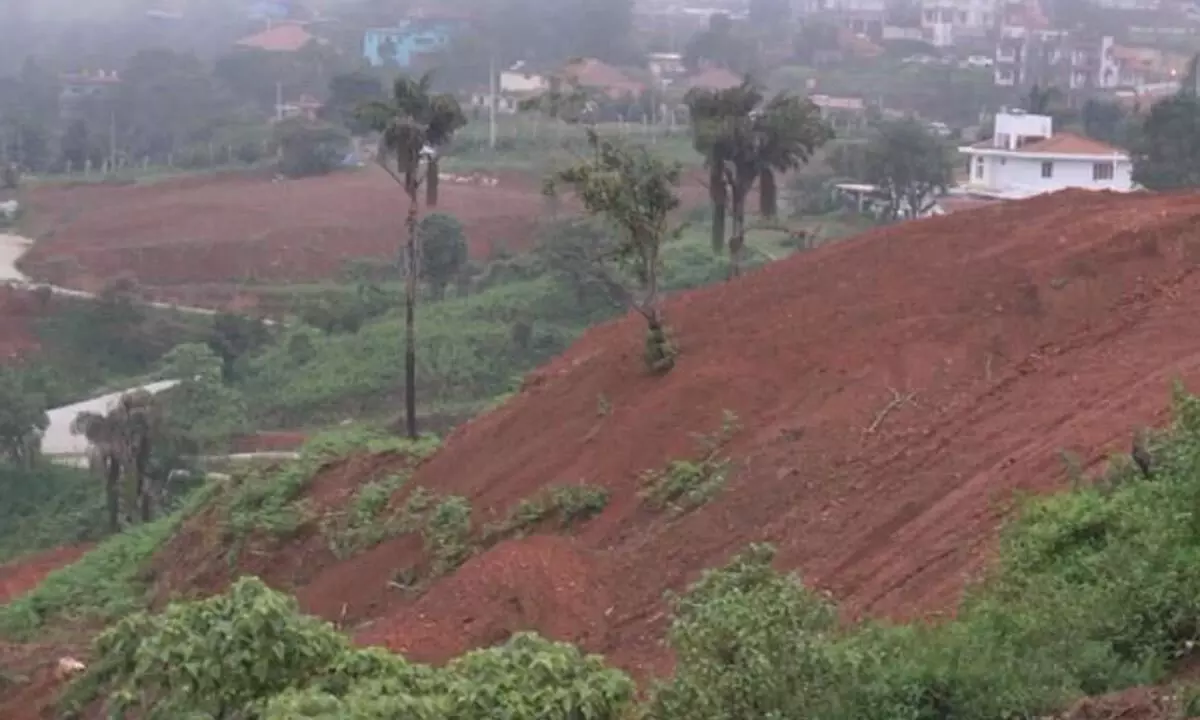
1019, 331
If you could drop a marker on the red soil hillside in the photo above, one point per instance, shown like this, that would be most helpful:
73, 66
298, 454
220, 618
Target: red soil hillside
1016, 331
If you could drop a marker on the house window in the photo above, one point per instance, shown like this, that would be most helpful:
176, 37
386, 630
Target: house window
979, 169
1047, 169
1102, 171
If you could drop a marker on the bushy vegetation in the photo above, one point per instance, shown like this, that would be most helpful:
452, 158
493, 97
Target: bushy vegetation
1095, 590
106, 584
687, 484
564, 505
250, 654
270, 501
47, 506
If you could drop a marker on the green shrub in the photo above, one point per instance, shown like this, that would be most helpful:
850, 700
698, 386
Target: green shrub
447, 534
568, 504
684, 485
105, 584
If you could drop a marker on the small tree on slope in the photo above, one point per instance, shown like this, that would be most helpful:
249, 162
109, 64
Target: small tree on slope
636, 192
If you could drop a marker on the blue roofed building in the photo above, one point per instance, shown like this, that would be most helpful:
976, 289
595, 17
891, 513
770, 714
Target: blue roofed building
409, 39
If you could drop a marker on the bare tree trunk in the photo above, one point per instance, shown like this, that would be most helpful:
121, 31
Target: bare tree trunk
737, 238
431, 183
112, 489
145, 496
768, 194
411, 270
718, 196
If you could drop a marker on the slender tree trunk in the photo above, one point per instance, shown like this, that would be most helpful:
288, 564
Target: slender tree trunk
718, 195
411, 270
768, 194
431, 183
145, 495
737, 238
112, 490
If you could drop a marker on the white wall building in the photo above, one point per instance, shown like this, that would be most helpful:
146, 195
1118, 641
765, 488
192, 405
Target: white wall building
945, 22
1025, 157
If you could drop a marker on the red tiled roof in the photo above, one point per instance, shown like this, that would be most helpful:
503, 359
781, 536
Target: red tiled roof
592, 73
713, 79
1071, 144
286, 37
1065, 143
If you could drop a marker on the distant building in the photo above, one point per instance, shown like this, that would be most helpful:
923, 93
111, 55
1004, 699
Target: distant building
286, 37
77, 89
403, 44
1025, 157
947, 22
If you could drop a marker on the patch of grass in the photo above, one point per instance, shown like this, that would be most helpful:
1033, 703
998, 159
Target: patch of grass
105, 584
364, 524
684, 485
569, 505
447, 534
48, 506
270, 501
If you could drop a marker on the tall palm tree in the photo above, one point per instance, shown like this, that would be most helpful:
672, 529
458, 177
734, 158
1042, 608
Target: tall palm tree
412, 123
120, 445
104, 458
438, 114
746, 139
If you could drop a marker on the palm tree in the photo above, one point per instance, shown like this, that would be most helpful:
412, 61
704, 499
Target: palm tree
746, 140
104, 458
710, 111
413, 123
120, 446
438, 114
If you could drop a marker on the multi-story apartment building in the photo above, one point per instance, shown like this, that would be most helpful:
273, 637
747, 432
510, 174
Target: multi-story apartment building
946, 22
859, 16
1030, 52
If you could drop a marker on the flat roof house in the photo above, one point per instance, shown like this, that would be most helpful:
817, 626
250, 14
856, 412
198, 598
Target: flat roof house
1025, 157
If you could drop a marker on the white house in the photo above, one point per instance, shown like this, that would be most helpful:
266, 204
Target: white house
1025, 157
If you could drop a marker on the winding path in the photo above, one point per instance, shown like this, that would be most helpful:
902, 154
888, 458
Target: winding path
58, 443
12, 247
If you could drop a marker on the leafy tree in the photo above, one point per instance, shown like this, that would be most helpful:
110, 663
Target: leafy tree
443, 250
202, 412
347, 92
412, 122
310, 148
748, 642
121, 443
165, 101
909, 165
1108, 122
1167, 154
745, 139
217, 658
635, 191
22, 418
721, 44
233, 337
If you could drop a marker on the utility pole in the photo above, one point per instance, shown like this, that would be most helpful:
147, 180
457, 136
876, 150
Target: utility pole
492, 100
112, 141
278, 101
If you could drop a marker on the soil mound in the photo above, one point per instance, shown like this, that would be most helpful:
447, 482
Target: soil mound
540, 583
893, 392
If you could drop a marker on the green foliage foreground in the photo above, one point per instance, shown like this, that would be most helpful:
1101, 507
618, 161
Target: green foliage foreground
1096, 589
